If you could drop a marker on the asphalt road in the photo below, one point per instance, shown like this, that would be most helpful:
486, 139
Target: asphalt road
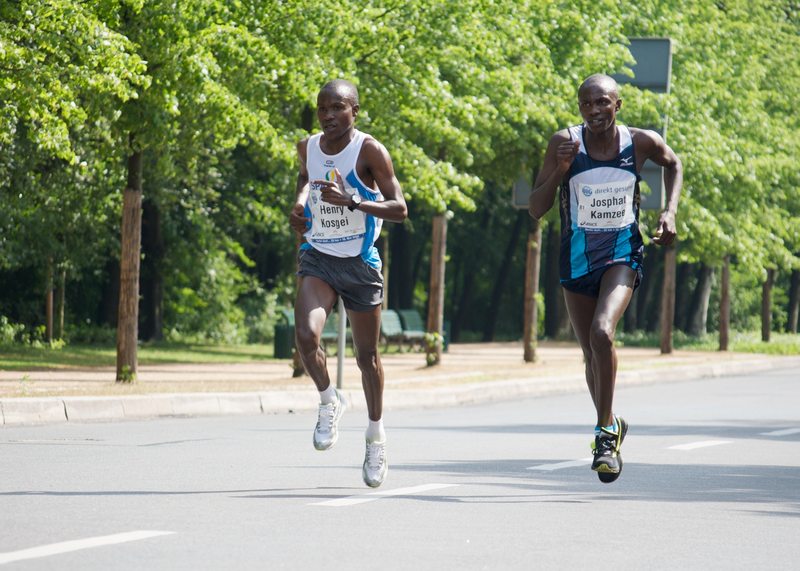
711, 481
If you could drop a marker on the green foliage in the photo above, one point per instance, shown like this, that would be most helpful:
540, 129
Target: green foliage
433, 346
208, 310
740, 341
10, 332
465, 96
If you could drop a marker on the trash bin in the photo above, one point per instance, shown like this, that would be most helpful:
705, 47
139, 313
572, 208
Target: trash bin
446, 336
284, 341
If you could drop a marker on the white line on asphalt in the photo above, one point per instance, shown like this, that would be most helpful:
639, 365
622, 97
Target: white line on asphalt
352, 500
784, 432
560, 465
78, 544
701, 444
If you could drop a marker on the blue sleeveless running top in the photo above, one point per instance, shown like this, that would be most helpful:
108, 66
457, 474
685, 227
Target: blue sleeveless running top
599, 205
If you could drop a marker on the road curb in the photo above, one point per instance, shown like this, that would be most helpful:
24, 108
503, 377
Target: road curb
51, 410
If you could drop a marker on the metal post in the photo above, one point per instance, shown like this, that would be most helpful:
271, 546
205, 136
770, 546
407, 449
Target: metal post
342, 340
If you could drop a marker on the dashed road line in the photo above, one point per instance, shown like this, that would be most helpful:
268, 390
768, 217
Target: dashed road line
77, 545
701, 444
371, 497
560, 465
784, 432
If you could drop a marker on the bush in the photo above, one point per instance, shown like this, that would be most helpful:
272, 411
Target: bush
10, 332
90, 334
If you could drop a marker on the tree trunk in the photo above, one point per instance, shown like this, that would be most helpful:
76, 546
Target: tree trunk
698, 310
766, 304
490, 323
683, 273
552, 284
532, 265
401, 287
725, 305
464, 301
130, 255
668, 300
298, 369
152, 278
60, 302
649, 311
48, 303
436, 291
794, 302
109, 307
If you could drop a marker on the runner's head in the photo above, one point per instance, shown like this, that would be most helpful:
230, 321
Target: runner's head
337, 107
599, 102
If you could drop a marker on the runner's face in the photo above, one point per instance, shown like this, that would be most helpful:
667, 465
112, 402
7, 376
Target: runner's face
598, 106
336, 113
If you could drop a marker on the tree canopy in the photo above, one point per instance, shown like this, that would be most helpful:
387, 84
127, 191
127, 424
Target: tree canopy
464, 94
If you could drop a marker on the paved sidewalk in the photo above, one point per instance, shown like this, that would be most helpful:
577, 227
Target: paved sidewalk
469, 373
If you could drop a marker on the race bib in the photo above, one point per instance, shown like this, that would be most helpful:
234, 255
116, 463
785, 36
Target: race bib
605, 205
331, 223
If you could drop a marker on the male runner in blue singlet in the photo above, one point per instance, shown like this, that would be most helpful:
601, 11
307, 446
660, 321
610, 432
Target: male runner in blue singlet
346, 187
596, 166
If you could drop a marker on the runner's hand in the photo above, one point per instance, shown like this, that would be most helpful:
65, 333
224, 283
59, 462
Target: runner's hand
298, 220
665, 231
566, 153
333, 191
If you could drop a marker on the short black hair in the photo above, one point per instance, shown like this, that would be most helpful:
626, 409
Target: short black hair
344, 88
601, 79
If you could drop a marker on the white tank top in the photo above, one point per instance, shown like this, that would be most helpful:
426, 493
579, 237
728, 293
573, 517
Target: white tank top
336, 230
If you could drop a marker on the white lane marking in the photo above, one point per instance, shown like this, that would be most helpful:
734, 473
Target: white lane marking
353, 500
784, 432
77, 545
560, 465
701, 444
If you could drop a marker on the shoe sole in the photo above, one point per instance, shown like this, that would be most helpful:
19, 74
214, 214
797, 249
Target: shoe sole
342, 408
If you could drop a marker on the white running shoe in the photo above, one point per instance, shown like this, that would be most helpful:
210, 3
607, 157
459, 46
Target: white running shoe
375, 464
327, 430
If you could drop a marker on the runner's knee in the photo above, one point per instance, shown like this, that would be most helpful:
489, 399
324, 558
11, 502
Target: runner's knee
601, 337
307, 340
368, 360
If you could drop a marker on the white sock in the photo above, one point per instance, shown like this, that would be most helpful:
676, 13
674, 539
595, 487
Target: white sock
328, 396
375, 431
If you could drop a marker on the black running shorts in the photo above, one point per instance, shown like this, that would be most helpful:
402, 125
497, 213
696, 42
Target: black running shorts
359, 284
589, 284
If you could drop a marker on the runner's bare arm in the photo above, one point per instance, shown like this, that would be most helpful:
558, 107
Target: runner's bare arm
654, 147
297, 218
561, 151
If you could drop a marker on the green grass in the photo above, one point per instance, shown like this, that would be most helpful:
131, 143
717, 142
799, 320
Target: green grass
22, 357
25, 357
740, 342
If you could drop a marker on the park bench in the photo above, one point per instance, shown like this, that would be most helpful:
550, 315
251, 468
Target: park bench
391, 328
413, 326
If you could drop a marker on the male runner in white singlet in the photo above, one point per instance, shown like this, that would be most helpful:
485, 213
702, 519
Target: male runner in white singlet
346, 187
596, 166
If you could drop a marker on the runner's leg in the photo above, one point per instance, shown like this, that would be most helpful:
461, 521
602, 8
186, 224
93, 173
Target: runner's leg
366, 328
616, 290
314, 303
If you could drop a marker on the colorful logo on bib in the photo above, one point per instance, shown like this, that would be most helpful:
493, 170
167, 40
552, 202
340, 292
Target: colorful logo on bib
587, 191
